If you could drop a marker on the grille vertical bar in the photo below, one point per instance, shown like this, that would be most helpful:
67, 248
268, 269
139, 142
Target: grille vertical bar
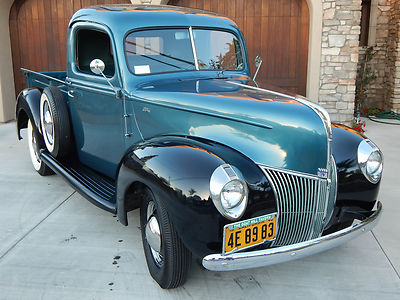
301, 201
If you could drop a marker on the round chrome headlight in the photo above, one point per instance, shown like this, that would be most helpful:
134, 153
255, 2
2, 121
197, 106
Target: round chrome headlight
228, 192
232, 194
370, 159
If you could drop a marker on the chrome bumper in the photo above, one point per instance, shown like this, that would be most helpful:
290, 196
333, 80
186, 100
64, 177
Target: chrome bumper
261, 258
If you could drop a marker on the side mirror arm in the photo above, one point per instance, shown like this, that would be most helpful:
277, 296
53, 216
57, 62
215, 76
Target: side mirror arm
97, 66
258, 62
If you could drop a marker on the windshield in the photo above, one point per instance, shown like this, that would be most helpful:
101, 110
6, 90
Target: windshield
170, 50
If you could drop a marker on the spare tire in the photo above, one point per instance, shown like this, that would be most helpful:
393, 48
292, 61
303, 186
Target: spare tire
54, 122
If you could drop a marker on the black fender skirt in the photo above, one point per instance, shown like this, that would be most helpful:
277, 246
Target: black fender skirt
28, 107
177, 169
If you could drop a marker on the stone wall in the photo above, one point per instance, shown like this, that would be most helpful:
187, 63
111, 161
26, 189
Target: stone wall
377, 93
393, 58
339, 57
384, 92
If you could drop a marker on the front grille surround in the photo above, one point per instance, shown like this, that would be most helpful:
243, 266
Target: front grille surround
302, 202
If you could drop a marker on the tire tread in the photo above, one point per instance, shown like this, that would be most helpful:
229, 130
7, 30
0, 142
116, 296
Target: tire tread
177, 258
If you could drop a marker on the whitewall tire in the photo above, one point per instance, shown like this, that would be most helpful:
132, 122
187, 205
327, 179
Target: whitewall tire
54, 122
33, 144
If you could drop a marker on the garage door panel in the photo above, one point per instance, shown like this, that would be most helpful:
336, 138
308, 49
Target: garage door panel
38, 34
275, 29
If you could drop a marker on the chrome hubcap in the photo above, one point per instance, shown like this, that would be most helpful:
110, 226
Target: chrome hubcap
34, 147
153, 234
33, 150
48, 123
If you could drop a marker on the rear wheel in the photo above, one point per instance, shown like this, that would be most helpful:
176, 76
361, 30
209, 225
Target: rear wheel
167, 258
34, 146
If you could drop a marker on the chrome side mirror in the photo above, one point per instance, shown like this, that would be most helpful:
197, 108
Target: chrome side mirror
97, 66
258, 62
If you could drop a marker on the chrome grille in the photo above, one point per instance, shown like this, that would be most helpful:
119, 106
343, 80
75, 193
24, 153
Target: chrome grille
302, 204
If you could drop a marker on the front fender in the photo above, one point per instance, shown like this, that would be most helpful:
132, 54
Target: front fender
28, 107
178, 169
353, 188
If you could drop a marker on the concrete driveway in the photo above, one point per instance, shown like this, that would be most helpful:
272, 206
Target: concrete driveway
56, 245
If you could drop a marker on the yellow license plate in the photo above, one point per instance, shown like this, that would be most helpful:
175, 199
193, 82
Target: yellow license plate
249, 233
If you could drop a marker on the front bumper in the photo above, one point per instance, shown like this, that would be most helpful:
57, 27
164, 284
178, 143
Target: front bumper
262, 258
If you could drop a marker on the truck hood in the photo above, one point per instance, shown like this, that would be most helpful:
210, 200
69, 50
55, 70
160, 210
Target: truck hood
268, 127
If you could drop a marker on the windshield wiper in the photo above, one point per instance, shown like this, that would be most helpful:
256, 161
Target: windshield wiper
161, 54
157, 60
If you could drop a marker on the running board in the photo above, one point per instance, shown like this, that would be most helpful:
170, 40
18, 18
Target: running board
96, 188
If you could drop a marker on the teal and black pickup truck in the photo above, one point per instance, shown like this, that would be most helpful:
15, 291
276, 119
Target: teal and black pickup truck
157, 110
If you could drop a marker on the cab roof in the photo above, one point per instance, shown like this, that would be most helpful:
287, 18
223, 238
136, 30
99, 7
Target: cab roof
127, 17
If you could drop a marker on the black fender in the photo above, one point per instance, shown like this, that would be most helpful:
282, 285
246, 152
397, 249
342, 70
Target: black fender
355, 193
28, 107
177, 169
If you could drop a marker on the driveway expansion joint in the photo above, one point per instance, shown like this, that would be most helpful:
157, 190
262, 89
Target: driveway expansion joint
34, 227
384, 252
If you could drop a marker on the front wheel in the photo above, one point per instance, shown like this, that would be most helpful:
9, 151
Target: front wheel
167, 258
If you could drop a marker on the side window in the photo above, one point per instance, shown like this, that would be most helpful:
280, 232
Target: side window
91, 44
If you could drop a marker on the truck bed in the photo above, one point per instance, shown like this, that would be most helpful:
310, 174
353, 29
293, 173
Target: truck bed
44, 79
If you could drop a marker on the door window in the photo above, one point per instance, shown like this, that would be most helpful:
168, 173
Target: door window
92, 44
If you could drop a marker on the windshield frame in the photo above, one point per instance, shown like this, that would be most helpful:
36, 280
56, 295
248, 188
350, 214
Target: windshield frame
190, 30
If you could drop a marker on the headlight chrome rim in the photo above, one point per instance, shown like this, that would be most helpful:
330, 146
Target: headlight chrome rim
222, 177
367, 154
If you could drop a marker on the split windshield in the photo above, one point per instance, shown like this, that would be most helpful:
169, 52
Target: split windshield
170, 50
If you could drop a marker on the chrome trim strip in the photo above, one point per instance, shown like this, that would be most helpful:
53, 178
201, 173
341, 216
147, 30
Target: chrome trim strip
196, 62
291, 172
263, 90
275, 191
326, 121
271, 256
333, 188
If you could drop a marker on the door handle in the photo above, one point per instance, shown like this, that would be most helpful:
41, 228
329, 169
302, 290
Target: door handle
71, 93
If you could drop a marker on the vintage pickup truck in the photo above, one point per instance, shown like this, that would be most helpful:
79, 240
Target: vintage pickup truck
157, 111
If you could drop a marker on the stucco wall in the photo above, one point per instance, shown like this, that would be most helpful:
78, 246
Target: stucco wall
314, 49
7, 94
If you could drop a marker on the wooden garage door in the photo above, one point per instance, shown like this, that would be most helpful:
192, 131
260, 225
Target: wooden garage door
275, 29
38, 32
